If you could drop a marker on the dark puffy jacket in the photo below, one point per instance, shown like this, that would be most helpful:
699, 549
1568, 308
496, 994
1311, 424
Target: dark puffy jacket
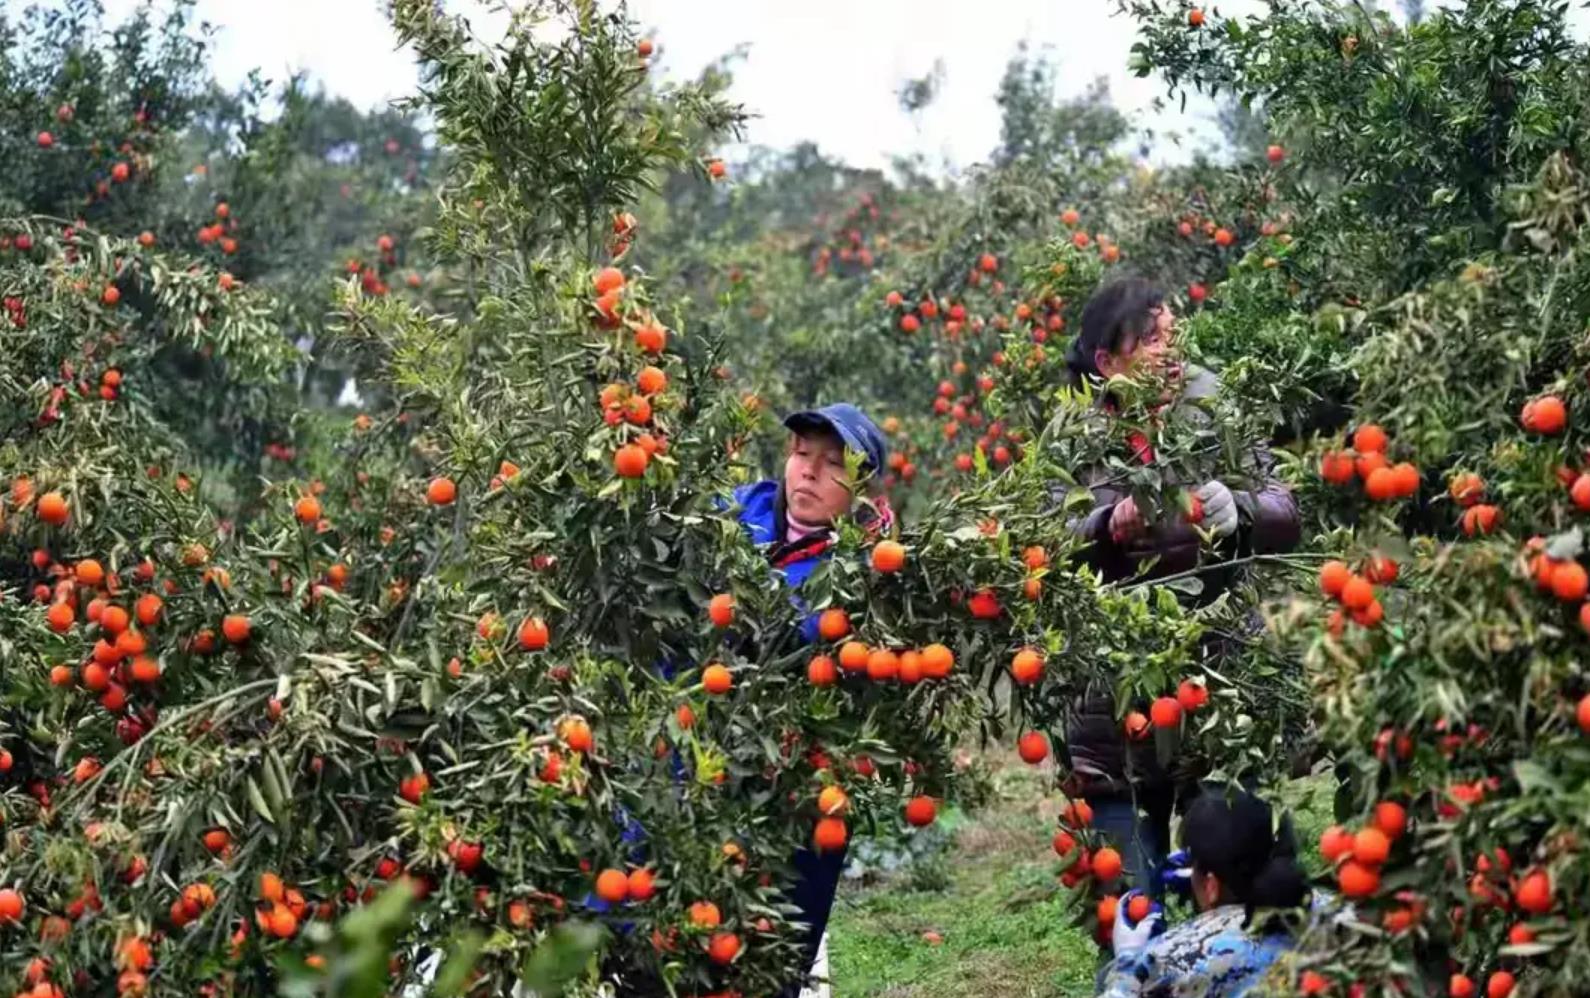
1267, 524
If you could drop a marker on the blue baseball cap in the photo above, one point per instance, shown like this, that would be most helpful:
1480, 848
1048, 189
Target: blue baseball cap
849, 424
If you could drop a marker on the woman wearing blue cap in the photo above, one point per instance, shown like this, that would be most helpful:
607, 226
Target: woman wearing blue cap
794, 516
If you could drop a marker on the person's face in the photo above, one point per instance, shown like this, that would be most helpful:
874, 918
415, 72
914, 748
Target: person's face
1152, 351
814, 478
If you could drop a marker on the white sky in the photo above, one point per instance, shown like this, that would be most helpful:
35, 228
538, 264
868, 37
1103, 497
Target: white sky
825, 70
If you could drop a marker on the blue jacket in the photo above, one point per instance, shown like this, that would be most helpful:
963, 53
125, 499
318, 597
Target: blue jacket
762, 516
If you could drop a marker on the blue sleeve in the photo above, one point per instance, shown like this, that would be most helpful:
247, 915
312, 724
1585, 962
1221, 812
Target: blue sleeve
808, 623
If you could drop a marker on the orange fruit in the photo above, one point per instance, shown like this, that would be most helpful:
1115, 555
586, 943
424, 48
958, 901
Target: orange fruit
1381, 570
1534, 892
637, 411
1195, 18
1371, 615
853, 656
651, 338
833, 624
271, 888
90, 572
1033, 748
1333, 577
1136, 724
11, 905
1581, 712
1366, 464
630, 461
882, 665
1460, 986
1369, 439
1500, 984
1371, 846
1480, 519
651, 380
1391, 818
1106, 909
307, 509
283, 923
576, 734
1381, 485
1026, 667
1357, 593
612, 886
685, 716
1138, 908
888, 556
441, 491
1569, 582
1165, 712
832, 801
60, 617
52, 508
534, 634
921, 810
723, 947
148, 609
1546, 415
413, 787
937, 661
910, 667
1077, 814
822, 671
145, 669
1107, 864
113, 620
830, 834
720, 610
1336, 467
705, 915
1466, 488
642, 884
608, 279
1406, 479
1335, 842
1357, 880
235, 628
1191, 694
716, 679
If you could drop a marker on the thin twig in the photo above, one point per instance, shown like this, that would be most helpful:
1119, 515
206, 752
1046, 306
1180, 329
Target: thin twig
1279, 559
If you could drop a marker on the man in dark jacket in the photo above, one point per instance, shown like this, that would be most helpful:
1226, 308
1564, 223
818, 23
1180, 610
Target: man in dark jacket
1127, 327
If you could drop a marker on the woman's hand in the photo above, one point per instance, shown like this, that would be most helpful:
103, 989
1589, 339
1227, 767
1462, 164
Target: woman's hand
1220, 509
1126, 522
1127, 938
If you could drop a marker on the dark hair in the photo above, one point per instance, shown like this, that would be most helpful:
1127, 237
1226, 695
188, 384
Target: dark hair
1232, 834
1118, 312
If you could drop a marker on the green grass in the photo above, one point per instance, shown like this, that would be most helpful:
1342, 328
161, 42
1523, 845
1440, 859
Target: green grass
1004, 920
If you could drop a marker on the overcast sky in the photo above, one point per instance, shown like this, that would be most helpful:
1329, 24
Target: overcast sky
824, 70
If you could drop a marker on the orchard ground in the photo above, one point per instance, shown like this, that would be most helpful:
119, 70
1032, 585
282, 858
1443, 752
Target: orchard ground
980, 916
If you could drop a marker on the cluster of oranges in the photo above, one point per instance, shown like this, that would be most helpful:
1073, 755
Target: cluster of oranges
281, 909
217, 233
1358, 857
1356, 592
1367, 461
622, 404
878, 664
